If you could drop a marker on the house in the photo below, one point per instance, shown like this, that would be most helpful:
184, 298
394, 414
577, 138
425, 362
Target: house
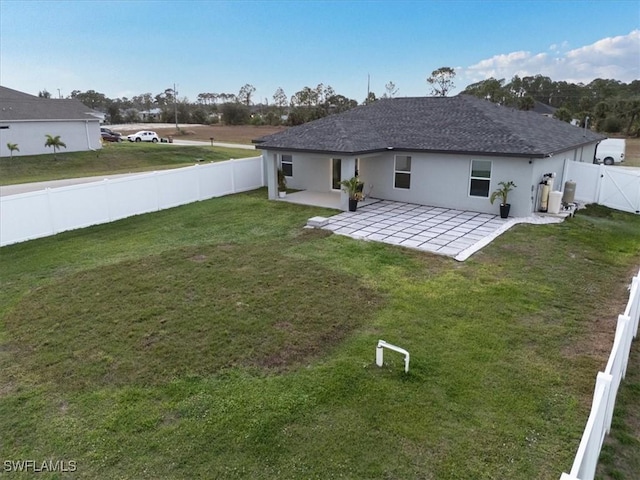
543, 109
441, 151
153, 115
26, 119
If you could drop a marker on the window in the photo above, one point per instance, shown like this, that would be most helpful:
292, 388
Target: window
402, 173
480, 178
286, 162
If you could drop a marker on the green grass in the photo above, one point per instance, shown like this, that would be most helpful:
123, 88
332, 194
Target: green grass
222, 340
113, 158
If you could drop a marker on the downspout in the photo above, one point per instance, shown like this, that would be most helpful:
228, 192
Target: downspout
86, 128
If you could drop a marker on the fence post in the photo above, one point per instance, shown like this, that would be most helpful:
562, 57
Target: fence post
601, 170
633, 306
52, 218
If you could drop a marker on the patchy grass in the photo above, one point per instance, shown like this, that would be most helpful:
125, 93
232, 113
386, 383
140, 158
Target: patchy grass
619, 459
632, 158
220, 340
113, 158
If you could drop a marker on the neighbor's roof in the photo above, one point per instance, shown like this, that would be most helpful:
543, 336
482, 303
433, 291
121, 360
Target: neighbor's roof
19, 106
461, 124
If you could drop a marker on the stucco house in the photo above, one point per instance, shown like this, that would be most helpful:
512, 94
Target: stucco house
26, 119
440, 151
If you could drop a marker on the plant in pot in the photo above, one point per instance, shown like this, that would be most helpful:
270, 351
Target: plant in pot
282, 184
353, 188
502, 193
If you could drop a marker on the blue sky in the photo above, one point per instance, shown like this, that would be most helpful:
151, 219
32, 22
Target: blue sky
125, 48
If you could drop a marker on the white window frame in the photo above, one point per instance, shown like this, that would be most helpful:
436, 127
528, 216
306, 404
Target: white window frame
286, 159
483, 179
404, 172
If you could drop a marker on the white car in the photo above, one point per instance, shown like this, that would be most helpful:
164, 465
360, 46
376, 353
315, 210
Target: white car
144, 136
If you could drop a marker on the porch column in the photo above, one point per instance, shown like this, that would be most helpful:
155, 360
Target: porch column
347, 170
272, 173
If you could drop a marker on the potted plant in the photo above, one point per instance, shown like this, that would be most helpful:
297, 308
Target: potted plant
502, 193
353, 188
282, 184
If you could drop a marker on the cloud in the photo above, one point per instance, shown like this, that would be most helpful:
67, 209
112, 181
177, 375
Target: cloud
612, 57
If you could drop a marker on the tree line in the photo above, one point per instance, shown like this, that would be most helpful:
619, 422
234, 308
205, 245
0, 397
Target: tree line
605, 105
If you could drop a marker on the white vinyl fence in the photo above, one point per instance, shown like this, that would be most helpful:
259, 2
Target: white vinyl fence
47, 212
607, 384
611, 186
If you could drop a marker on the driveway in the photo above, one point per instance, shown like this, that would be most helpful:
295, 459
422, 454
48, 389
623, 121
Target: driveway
453, 233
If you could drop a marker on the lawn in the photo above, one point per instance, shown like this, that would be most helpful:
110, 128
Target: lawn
113, 158
222, 340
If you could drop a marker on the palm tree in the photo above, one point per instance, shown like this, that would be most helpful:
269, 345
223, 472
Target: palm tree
54, 142
13, 147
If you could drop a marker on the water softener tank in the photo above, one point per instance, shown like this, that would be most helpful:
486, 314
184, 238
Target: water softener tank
569, 192
544, 199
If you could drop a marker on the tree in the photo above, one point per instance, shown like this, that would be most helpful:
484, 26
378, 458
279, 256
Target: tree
391, 90
13, 147
91, 99
340, 103
280, 99
526, 103
371, 97
441, 81
54, 142
44, 94
245, 93
235, 114
563, 114
489, 89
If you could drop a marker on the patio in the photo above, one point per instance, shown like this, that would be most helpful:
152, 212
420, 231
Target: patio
443, 231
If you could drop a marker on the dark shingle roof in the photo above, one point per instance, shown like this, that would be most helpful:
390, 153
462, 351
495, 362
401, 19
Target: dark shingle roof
19, 106
461, 124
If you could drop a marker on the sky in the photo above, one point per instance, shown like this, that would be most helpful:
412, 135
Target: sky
127, 48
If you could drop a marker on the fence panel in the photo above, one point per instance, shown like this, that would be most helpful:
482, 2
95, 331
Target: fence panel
620, 189
24, 217
613, 187
587, 178
607, 385
47, 212
130, 196
78, 206
247, 174
177, 187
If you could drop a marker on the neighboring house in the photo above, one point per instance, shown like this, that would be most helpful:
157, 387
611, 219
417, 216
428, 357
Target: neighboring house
152, 115
543, 109
26, 119
441, 151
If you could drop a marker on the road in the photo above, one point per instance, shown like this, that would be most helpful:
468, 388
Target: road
215, 144
6, 190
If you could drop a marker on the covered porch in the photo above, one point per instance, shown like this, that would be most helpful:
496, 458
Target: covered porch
322, 199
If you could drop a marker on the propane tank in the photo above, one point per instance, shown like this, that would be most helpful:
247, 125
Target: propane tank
569, 192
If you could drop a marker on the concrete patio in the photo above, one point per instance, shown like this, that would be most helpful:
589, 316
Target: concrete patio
443, 231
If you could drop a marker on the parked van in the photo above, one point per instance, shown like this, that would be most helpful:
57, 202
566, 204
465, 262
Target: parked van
610, 151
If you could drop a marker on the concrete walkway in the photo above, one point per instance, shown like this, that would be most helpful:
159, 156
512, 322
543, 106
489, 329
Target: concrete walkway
453, 233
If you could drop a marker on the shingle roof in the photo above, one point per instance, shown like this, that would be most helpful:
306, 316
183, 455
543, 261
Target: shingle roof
461, 124
19, 106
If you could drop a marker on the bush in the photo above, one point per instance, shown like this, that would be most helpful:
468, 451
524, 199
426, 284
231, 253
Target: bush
257, 120
612, 125
235, 114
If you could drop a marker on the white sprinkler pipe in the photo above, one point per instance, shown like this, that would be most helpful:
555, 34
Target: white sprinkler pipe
379, 353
